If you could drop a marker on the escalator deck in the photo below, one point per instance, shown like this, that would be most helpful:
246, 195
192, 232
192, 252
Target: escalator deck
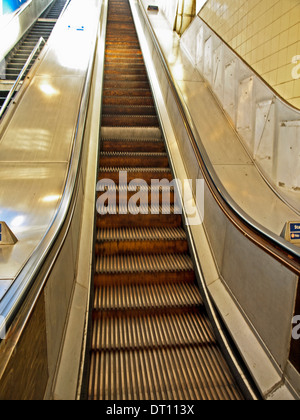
151, 336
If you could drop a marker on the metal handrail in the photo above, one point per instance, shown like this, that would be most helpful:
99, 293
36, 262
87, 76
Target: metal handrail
287, 254
22, 72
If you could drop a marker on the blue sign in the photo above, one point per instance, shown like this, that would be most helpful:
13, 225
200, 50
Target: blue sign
10, 6
295, 231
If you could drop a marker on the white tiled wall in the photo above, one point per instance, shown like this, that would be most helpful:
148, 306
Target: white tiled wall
169, 8
266, 33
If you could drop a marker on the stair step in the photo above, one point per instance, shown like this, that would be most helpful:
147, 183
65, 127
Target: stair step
146, 296
126, 159
123, 58
140, 234
135, 145
143, 240
143, 263
121, 216
130, 121
164, 330
133, 133
122, 194
156, 374
114, 49
125, 77
144, 93
146, 174
129, 110
125, 68
131, 45
128, 100
143, 269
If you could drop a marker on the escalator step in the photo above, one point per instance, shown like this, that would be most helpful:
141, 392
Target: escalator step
130, 120
146, 174
115, 331
140, 263
146, 297
187, 373
145, 269
134, 145
133, 159
129, 110
140, 234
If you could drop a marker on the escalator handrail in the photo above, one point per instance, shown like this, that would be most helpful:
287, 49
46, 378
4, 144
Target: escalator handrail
21, 74
284, 252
